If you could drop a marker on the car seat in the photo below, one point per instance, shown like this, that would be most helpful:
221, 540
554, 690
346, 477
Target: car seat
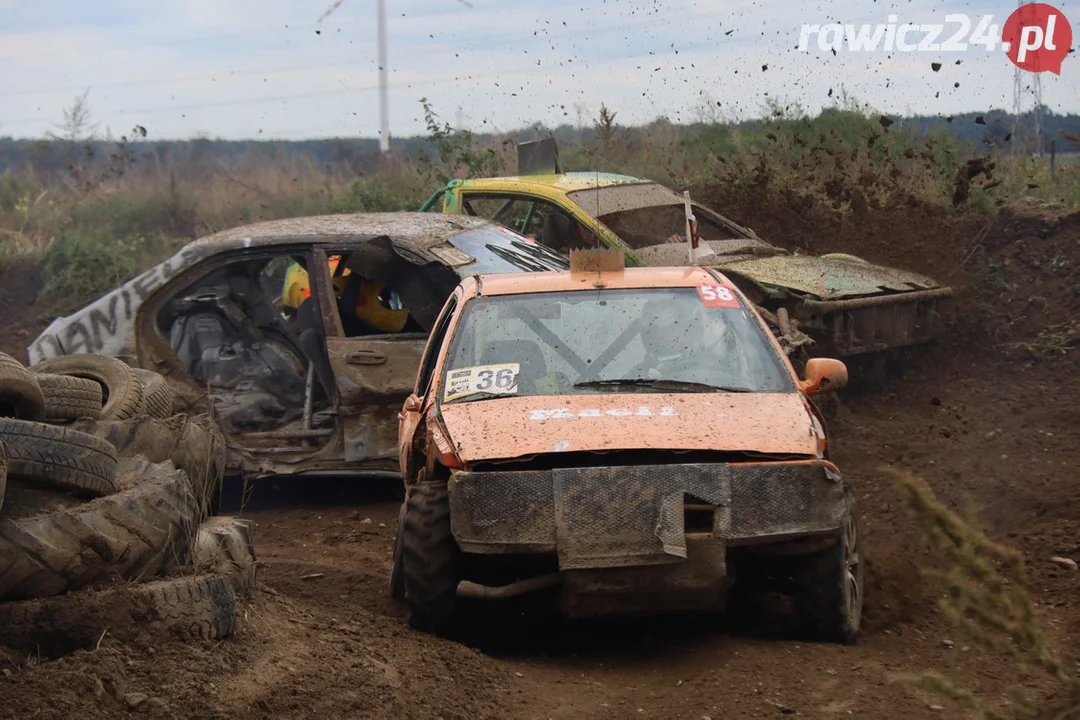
526, 353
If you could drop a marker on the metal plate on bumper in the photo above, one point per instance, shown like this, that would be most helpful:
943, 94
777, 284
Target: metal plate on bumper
630, 515
633, 515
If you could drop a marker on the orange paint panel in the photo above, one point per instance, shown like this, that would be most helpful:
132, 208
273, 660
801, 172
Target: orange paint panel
645, 277
510, 427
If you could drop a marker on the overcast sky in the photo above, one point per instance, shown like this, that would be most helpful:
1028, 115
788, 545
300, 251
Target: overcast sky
269, 69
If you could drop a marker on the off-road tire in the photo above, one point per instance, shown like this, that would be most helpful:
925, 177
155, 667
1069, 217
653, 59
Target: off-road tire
432, 559
59, 457
226, 545
142, 530
20, 394
397, 576
194, 443
200, 607
832, 585
156, 393
70, 398
26, 500
3, 474
121, 388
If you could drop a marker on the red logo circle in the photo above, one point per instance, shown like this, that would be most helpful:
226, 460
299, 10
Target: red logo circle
1037, 37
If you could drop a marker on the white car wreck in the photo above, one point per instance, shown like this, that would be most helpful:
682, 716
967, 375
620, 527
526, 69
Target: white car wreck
302, 336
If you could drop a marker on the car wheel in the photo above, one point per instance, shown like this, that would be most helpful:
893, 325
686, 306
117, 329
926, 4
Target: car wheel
20, 394
59, 457
831, 584
70, 398
157, 397
397, 576
121, 389
431, 558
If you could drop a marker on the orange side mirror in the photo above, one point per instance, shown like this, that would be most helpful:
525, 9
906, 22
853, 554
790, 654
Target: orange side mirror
412, 404
823, 375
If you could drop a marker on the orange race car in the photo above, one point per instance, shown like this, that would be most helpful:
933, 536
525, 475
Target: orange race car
634, 439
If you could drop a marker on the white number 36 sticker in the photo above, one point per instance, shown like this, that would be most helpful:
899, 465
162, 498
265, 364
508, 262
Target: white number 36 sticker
501, 379
717, 296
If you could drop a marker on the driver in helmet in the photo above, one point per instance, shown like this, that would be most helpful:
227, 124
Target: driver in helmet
674, 341
375, 308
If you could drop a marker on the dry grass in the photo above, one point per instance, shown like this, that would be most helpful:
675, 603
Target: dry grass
986, 598
93, 229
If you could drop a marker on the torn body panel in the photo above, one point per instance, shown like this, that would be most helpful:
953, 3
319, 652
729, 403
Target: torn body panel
646, 220
374, 375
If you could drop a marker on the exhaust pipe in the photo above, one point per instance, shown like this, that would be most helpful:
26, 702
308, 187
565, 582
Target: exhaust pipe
469, 589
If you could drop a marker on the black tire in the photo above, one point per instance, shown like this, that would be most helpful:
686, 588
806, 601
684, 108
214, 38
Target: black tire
59, 457
136, 533
20, 394
201, 607
121, 388
70, 398
156, 394
3, 474
832, 585
432, 559
397, 577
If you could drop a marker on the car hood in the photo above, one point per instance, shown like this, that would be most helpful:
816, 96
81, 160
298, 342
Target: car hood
828, 277
512, 427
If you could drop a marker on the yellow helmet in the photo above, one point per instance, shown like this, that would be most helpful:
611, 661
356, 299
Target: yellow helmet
297, 286
380, 307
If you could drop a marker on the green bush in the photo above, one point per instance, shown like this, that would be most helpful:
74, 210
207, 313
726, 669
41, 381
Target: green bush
82, 265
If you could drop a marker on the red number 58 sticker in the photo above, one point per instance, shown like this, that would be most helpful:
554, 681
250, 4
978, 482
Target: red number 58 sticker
717, 296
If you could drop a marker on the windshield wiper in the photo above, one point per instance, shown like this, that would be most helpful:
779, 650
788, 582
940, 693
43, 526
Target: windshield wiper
672, 385
478, 395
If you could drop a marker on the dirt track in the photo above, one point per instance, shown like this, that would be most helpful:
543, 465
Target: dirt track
972, 421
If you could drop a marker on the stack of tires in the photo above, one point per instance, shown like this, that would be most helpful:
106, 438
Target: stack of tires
104, 502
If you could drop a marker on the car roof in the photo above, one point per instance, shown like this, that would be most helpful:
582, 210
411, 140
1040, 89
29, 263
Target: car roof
420, 230
562, 281
567, 182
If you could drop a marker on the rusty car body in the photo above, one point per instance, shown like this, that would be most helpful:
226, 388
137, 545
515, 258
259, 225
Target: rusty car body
844, 305
300, 395
564, 436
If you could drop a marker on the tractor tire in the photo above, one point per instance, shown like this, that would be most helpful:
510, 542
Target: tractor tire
120, 386
199, 607
831, 585
193, 443
59, 457
70, 398
226, 545
432, 559
20, 394
28, 501
138, 532
157, 395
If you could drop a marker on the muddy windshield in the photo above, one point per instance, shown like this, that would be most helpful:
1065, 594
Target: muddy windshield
582, 342
648, 214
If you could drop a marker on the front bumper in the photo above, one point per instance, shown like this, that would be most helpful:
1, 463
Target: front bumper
632, 516
880, 322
